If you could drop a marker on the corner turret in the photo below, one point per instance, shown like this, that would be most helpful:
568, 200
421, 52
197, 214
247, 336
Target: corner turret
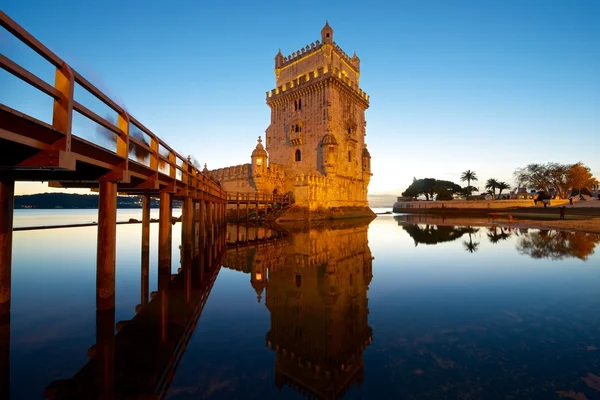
279, 60
330, 146
327, 34
366, 164
259, 158
355, 62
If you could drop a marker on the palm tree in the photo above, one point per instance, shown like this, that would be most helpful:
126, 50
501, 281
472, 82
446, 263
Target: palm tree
502, 186
492, 184
468, 176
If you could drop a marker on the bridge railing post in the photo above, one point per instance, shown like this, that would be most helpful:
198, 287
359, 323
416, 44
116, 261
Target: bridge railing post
62, 114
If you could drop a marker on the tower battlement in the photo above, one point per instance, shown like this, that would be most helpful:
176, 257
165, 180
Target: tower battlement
312, 48
319, 74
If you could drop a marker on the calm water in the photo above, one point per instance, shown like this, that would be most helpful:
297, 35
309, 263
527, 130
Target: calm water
435, 310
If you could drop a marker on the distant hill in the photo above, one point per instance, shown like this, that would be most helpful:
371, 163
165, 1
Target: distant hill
381, 200
70, 201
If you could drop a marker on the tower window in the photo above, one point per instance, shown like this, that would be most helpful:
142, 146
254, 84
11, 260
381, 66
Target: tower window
298, 155
349, 155
295, 105
300, 104
298, 280
297, 128
327, 35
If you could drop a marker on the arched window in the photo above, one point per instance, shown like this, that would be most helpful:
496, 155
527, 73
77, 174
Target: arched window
295, 105
300, 104
349, 155
297, 128
298, 155
298, 280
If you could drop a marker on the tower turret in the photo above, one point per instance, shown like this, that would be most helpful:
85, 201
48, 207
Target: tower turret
329, 146
279, 59
366, 164
327, 34
355, 62
259, 159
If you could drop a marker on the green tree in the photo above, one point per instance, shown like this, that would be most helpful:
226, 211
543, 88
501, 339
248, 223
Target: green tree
502, 186
491, 185
468, 176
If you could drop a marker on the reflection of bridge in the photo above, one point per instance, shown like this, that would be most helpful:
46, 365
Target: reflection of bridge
140, 361
135, 161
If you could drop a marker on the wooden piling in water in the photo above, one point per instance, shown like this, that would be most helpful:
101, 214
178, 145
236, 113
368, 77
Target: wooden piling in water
107, 246
256, 195
5, 356
165, 232
237, 207
7, 203
145, 280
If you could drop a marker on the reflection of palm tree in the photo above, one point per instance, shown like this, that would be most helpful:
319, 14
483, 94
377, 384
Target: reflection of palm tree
470, 246
494, 236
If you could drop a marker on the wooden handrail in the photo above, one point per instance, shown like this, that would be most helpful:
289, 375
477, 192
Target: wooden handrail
10, 66
191, 175
83, 110
17, 30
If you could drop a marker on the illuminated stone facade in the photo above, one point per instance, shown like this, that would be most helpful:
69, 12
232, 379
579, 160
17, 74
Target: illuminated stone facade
314, 284
315, 144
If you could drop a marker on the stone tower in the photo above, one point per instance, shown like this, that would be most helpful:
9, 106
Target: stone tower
317, 131
314, 148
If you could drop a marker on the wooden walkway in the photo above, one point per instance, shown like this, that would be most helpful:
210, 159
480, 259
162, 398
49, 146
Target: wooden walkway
140, 163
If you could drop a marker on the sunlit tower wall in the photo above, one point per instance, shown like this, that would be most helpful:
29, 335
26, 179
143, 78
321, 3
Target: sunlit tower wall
318, 125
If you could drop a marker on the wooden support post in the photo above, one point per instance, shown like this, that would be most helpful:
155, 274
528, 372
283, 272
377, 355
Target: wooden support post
247, 207
202, 213
145, 290
165, 232
237, 207
7, 201
107, 246
210, 218
5, 356
187, 244
105, 353
266, 206
187, 221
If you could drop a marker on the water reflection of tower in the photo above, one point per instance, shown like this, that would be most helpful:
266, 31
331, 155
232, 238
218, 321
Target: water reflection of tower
319, 311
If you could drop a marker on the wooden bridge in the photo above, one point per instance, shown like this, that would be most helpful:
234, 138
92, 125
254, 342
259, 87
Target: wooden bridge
140, 163
244, 203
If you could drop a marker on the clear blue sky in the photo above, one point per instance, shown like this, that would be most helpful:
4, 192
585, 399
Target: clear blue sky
454, 85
